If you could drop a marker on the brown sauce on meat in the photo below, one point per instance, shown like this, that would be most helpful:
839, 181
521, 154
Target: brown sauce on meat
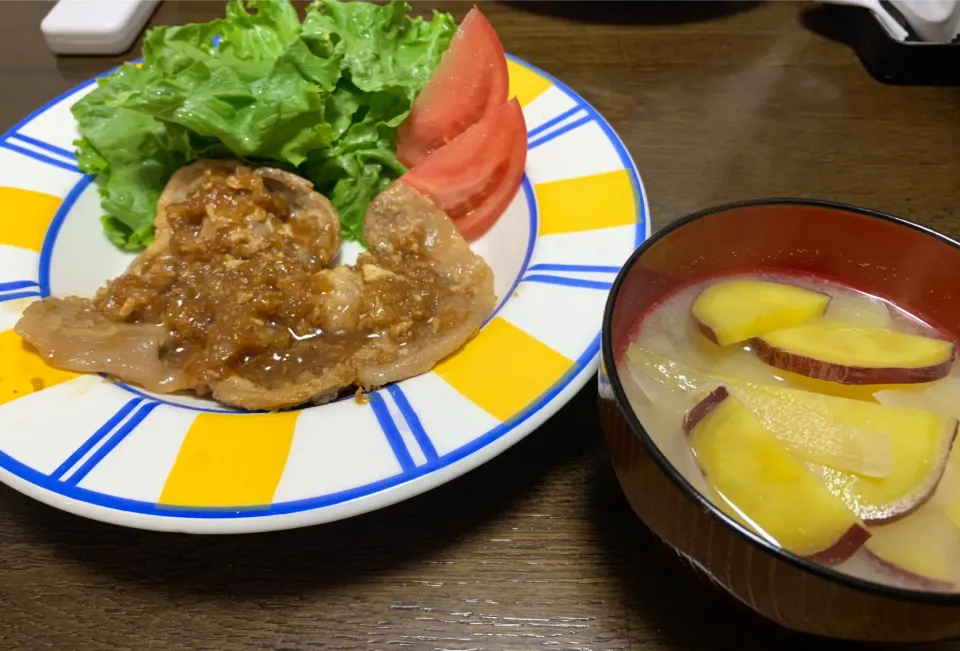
243, 290
237, 297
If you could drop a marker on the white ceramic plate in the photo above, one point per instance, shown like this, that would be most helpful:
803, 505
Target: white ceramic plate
111, 452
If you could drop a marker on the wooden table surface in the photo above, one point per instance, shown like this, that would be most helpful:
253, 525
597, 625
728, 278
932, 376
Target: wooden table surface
538, 549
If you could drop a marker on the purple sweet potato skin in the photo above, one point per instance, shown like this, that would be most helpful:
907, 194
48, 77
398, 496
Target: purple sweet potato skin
840, 374
704, 407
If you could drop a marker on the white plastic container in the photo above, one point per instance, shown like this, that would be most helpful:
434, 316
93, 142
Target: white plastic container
95, 26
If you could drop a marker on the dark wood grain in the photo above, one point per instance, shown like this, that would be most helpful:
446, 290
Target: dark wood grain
538, 549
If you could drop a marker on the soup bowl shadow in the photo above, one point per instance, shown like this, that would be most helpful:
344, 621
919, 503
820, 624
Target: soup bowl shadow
913, 267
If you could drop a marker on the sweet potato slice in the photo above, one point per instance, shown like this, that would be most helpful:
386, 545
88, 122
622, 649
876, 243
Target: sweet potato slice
819, 438
921, 443
661, 410
853, 354
737, 310
923, 549
767, 485
854, 391
805, 432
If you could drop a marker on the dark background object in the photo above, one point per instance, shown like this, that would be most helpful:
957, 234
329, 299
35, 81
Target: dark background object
613, 12
912, 62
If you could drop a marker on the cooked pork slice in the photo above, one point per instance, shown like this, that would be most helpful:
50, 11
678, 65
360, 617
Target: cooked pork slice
198, 183
408, 233
241, 392
71, 333
414, 298
234, 297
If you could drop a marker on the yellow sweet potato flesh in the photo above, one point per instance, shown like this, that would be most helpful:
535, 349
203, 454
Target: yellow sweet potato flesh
855, 354
734, 311
751, 469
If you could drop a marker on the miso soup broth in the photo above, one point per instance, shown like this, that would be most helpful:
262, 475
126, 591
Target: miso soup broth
819, 417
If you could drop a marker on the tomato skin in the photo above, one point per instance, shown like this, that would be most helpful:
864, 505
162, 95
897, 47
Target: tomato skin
475, 176
470, 82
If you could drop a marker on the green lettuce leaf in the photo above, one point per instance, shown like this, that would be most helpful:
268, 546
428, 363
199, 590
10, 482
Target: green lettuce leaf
133, 157
381, 47
322, 98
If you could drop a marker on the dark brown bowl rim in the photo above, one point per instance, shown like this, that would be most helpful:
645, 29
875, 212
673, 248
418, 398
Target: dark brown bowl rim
902, 594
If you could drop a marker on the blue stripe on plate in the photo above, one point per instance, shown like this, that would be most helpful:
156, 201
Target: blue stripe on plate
46, 251
590, 268
531, 198
552, 121
121, 433
576, 124
18, 284
179, 405
413, 421
12, 296
294, 506
56, 162
567, 282
53, 149
97, 436
394, 438
640, 196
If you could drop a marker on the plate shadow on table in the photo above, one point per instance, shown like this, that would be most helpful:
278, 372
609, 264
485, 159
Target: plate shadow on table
641, 12
665, 599
313, 559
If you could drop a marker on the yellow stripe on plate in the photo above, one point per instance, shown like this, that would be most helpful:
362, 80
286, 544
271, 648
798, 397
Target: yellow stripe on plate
22, 370
586, 203
230, 460
28, 215
525, 84
503, 369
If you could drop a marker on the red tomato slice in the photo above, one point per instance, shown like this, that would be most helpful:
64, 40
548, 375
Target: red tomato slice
470, 82
475, 176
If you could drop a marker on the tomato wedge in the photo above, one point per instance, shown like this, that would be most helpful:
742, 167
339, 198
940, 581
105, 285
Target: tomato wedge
470, 82
474, 177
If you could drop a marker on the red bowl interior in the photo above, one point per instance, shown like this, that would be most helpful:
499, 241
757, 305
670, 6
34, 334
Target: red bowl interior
914, 268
